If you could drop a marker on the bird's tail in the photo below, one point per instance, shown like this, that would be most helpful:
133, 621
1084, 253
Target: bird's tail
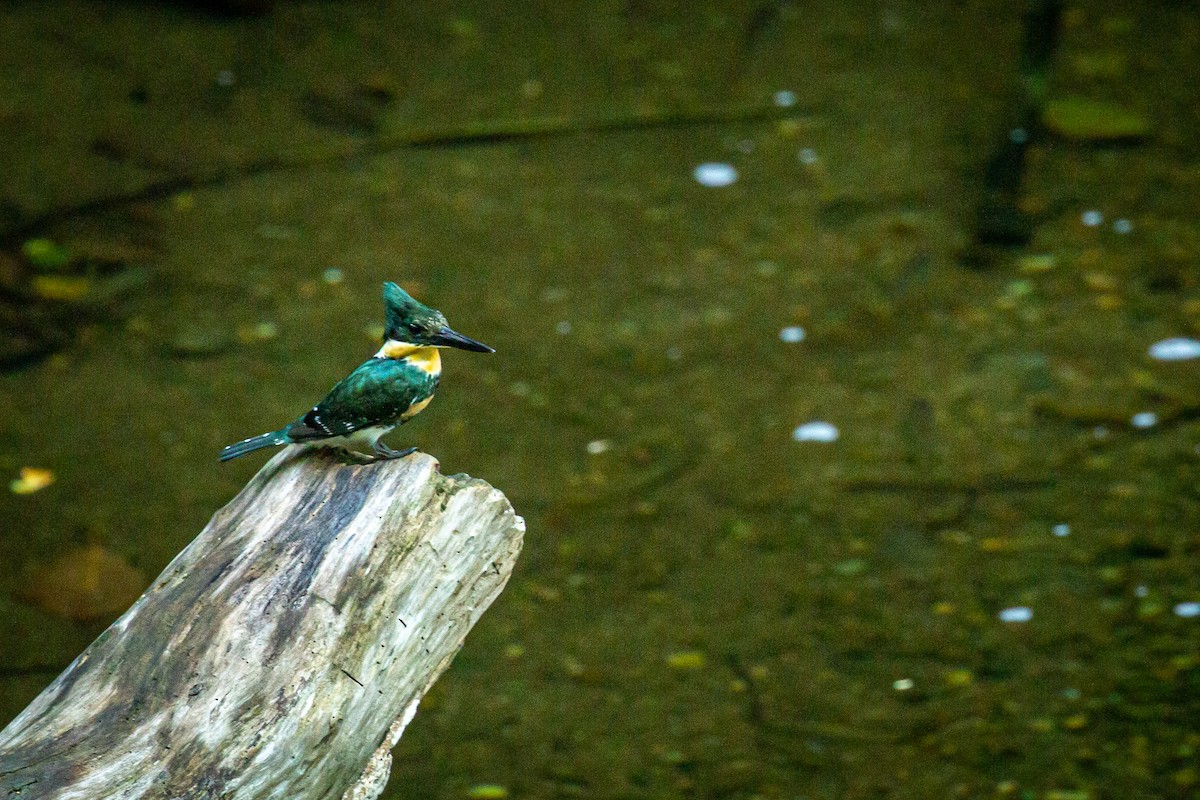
255, 443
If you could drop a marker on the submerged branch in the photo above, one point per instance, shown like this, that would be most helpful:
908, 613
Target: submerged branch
467, 134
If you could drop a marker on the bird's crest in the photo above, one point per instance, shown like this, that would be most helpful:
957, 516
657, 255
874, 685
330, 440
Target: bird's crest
408, 320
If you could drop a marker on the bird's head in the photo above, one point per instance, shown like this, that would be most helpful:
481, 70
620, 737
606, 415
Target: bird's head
413, 322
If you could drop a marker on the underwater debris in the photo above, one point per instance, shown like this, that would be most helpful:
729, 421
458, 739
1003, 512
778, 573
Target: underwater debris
197, 340
352, 108
686, 660
64, 288
1000, 219
1080, 119
49, 288
33, 479
45, 253
87, 583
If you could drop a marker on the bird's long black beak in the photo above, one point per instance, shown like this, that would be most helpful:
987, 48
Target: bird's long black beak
448, 338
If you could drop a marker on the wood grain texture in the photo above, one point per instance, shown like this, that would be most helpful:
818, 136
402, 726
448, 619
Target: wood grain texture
281, 654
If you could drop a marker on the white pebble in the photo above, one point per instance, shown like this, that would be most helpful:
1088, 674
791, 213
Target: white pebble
1141, 591
598, 446
715, 174
1091, 218
1018, 136
1188, 609
226, 78
1061, 529
1015, 614
1177, 348
333, 276
1122, 226
1143, 420
816, 431
563, 328
903, 684
785, 99
807, 156
792, 334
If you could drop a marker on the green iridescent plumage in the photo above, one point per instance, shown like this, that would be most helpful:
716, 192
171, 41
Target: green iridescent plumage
380, 393
407, 317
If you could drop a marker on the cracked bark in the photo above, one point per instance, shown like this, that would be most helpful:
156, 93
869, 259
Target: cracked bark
283, 652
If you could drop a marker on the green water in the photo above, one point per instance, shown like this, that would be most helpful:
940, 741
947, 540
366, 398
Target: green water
704, 606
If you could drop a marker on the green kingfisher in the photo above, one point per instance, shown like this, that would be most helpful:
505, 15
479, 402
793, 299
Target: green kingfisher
387, 390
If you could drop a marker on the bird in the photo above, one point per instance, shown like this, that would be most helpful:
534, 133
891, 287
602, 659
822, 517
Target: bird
387, 390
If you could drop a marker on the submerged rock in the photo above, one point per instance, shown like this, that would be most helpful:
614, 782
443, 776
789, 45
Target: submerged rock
86, 583
199, 341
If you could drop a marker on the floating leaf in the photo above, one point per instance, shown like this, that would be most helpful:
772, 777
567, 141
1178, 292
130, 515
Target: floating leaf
33, 479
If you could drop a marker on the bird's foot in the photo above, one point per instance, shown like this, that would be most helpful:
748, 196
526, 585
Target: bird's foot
385, 453
352, 457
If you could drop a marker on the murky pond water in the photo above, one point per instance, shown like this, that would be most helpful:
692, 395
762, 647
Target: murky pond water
817, 506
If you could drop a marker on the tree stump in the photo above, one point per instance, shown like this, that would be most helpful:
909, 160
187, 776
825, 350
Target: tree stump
282, 653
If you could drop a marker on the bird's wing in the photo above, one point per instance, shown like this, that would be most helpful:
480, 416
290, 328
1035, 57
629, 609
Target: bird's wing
376, 393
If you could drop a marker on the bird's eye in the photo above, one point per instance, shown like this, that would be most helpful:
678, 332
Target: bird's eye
413, 328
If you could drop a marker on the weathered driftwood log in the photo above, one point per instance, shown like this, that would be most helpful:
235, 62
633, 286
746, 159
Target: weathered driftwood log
282, 653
